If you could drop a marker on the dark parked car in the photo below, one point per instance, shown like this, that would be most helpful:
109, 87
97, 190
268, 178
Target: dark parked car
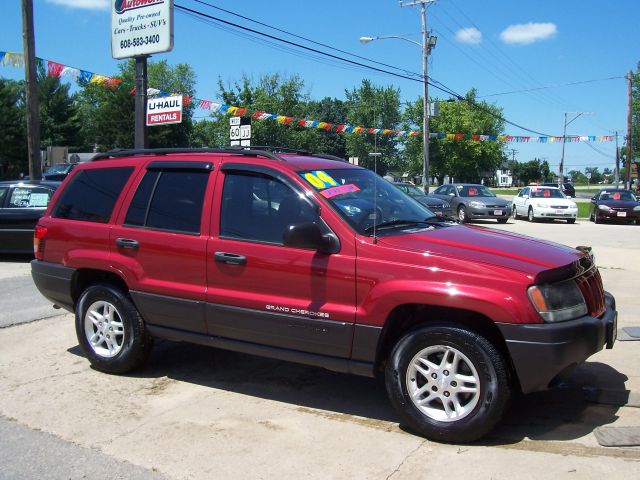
58, 172
615, 204
468, 202
434, 204
22, 203
567, 188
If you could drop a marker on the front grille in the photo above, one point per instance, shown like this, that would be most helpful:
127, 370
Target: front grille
590, 284
559, 207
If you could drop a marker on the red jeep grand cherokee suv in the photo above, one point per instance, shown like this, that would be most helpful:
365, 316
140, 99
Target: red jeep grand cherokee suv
310, 259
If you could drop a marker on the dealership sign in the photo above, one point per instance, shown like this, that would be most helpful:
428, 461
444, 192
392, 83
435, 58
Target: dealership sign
141, 27
164, 110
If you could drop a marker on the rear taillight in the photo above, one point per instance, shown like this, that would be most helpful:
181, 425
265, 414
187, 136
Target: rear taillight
39, 235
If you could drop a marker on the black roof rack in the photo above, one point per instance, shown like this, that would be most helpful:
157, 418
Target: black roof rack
259, 150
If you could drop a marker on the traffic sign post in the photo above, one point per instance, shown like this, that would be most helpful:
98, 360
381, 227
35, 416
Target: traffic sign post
240, 131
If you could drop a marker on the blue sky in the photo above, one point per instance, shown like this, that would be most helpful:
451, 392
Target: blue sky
495, 46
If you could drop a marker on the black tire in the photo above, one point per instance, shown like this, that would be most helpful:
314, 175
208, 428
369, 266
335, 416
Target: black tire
595, 218
530, 215
514, 212
571, 220
479, 412
462, 214
502, 220
122, 348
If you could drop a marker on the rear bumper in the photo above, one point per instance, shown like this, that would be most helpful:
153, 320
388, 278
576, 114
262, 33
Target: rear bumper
542, 354
54, 282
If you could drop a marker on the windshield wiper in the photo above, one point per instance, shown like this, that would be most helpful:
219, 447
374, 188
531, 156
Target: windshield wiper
440, 219
395, 223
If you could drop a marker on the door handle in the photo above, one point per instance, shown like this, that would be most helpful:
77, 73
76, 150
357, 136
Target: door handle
127, 243
230, 258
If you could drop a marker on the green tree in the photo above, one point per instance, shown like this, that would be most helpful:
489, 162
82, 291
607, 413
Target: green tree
534, 170
13, 135
464, 160
60, 123
108, 112
635, 113
374, 107
595, 177
577, 176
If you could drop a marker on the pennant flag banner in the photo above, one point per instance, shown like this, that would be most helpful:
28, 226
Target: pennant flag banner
58, 70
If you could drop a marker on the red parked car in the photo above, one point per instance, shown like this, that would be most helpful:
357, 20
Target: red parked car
314, 260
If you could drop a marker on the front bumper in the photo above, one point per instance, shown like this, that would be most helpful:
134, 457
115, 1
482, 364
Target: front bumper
489, 213
617, 215
544, 212
544, 353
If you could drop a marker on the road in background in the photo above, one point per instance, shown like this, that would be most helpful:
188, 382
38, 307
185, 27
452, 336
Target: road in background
20, 301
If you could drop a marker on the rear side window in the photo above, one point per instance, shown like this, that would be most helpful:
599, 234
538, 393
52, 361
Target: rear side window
92, 194
169, 200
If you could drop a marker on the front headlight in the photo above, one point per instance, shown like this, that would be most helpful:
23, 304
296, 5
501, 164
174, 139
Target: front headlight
604, 208
475, 204
636, 209
541, 205
558, 302
573, 205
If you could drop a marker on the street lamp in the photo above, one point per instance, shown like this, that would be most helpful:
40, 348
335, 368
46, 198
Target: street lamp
564, 140
428, 44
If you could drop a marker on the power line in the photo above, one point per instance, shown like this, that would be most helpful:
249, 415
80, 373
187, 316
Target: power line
551, 86
431, 82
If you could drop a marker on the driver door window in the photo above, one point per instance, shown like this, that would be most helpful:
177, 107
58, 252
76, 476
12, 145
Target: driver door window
258, 208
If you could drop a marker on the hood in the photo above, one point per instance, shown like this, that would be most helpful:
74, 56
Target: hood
552, 201
476, 244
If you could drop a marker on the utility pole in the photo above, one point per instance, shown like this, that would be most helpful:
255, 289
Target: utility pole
627, 176
564, 140
140, 124
428, 43
31, 78
513, 153
616, 174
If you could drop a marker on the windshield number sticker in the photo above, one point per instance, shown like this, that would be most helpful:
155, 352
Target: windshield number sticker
320, 179
339, 190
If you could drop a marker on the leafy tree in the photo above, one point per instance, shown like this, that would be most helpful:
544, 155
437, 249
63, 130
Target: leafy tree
578, 177
108, 113
596, 176
534, 170
13, 135
374, 107
635, 113
60, 123
465, 160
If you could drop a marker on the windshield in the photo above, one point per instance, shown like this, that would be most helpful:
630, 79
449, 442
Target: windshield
474, 191
624, 195
414, 191
546, 193
60, 168
365, 199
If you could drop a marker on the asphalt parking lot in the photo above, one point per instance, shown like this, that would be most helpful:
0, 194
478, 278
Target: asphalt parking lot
197, 412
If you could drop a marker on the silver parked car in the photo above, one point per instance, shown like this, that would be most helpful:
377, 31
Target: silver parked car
468, 201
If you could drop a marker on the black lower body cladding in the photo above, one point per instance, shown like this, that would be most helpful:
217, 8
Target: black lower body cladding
542, 352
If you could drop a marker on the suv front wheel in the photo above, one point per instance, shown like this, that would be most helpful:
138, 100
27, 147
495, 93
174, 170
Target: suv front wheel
447, 383
110, 330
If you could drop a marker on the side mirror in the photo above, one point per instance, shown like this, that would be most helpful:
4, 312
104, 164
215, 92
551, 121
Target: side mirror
525, 196
452, 194
309, 236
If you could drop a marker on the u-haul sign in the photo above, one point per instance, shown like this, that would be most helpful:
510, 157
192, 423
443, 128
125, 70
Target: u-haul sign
164, 110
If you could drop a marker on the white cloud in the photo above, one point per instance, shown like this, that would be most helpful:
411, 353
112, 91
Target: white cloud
84, 4
526, 33
469, 35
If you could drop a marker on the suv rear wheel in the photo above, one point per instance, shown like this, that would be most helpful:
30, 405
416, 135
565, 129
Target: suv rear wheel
110, 330
447, 383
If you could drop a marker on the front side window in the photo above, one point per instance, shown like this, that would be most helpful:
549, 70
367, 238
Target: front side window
169, 200
260, 208
365, 200
92, 194
29, 197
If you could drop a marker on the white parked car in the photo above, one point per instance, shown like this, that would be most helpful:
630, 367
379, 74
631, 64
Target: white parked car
537, 202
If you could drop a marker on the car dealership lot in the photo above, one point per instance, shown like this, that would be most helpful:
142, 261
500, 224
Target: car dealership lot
196, 412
